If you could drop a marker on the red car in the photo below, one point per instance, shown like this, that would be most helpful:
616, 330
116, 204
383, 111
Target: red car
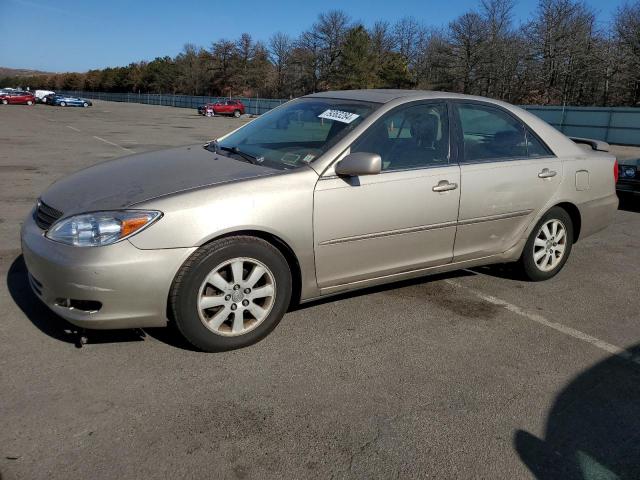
228, 107
18, 98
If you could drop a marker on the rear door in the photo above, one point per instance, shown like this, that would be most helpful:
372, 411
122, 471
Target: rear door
508, 175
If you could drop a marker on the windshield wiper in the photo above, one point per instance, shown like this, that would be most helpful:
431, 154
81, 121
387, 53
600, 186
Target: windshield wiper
248, 157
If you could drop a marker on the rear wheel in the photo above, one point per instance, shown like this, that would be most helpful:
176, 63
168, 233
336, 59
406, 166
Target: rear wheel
548, 246
29, 102
231, 293
5, 102
85, 104
236, 113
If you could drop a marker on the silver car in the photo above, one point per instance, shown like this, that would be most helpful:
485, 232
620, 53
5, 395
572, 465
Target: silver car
328, 193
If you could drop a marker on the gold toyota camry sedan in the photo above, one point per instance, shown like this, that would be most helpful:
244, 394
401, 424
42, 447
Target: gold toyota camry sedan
328, 193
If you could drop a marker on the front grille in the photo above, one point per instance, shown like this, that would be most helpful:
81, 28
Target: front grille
45, 215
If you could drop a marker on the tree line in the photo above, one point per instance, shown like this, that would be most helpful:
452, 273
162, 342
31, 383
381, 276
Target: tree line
561, 55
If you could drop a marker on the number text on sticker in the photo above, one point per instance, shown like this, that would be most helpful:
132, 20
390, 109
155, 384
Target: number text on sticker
339, 116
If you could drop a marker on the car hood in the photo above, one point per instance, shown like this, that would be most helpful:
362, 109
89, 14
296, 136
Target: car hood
124, 182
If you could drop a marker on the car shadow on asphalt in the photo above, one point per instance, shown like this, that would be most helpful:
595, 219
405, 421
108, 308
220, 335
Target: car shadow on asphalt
56, 327
593, 428
383, 288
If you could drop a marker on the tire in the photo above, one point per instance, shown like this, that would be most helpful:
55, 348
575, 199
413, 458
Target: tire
543, 257
63, 104
5, 102
29, 102
236, 113
217, 328
85, 104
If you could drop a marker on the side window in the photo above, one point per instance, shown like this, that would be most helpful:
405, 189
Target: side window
409, 137
490, 133
535, 148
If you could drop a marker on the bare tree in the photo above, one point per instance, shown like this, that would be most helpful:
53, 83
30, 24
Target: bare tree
382, 39
224, 54
560, 38
467, 37
407, 36
329, 33
627, 40
280, 51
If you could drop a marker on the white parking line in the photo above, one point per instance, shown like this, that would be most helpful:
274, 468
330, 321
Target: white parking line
572, 332
114, 144
73, 128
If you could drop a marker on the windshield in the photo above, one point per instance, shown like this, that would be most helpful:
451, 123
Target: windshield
296, 133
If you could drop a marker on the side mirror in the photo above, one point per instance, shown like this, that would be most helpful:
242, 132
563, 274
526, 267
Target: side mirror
359, 163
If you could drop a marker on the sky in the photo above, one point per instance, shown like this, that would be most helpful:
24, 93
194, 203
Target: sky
78, 35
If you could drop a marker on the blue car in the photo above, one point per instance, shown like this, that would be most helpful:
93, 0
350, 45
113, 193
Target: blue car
65, 101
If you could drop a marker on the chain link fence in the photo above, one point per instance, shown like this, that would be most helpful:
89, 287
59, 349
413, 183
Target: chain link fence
253, 106
619, 125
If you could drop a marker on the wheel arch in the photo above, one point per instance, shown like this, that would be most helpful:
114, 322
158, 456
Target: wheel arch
283, 247
576, 217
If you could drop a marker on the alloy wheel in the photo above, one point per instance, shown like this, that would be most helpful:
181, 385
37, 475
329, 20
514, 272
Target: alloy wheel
549, 245
236, 296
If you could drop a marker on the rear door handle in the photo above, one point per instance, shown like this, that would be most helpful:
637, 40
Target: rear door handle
546, 173
444, 186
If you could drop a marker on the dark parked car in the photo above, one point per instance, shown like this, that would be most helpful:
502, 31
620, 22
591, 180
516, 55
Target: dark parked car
18, 98
628, 177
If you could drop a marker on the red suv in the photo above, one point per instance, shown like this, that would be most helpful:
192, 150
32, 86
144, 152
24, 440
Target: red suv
228, 107
18, 98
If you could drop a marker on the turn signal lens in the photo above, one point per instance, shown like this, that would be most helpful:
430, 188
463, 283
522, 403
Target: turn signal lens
616, 171
130, 225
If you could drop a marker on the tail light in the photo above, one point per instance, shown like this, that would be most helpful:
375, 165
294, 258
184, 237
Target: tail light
616, 171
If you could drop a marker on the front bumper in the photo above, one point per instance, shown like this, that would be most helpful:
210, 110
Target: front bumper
130, 285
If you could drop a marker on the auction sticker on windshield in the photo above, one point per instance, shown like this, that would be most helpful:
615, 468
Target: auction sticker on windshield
339, 116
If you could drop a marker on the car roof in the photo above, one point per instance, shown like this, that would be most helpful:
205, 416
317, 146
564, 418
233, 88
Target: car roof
384, 95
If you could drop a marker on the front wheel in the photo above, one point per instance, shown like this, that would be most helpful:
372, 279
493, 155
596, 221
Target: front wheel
548, 246
29, 102
231, 293
63, 104
85, 104
5, 102
236, 113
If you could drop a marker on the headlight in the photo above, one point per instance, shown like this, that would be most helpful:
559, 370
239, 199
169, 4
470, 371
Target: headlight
101, 228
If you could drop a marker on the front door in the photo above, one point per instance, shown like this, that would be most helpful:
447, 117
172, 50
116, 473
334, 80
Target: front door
508, 176
400, 220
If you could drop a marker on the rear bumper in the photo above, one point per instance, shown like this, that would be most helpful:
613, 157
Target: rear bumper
597, 214
130, 285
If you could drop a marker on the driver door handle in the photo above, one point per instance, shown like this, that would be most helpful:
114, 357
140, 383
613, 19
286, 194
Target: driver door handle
546, 173
444, 186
